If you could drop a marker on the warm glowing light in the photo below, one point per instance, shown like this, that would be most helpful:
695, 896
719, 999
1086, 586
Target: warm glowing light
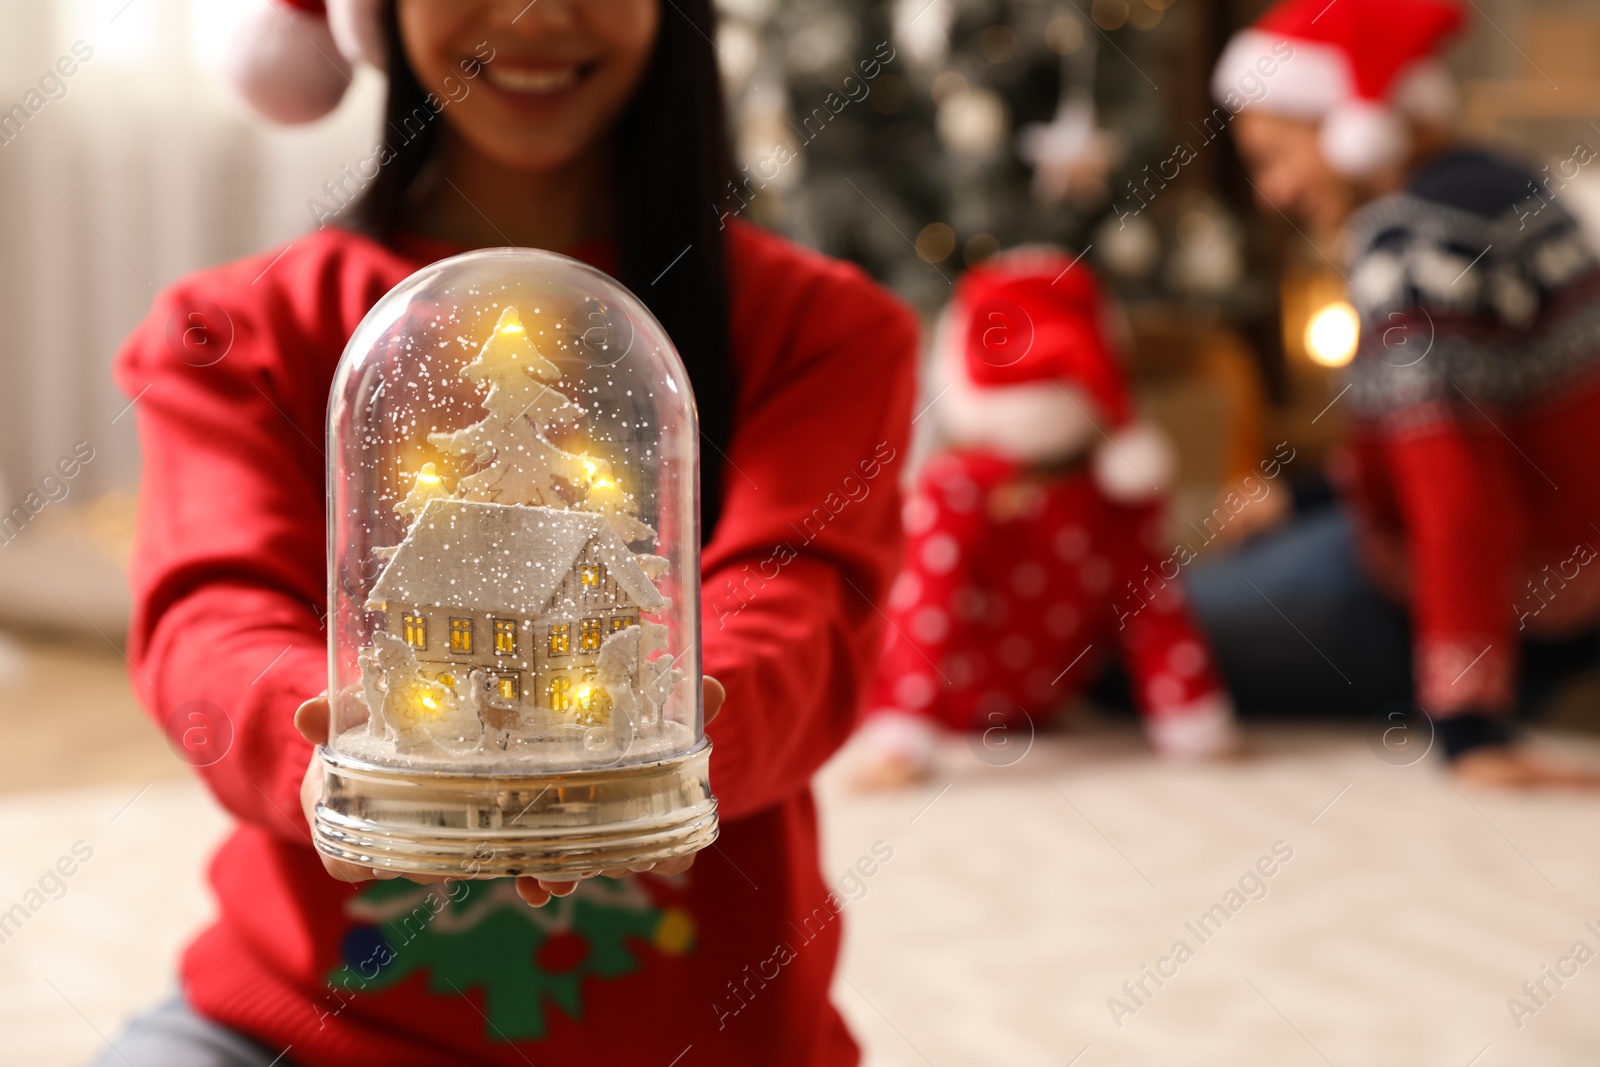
596, 480
588, 697
429, 702
426, 476
1332, 333
511, 327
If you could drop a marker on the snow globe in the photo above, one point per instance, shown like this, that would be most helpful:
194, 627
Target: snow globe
514, 645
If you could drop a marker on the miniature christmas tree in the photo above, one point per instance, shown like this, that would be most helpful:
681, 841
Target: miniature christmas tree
515, 459
426, 486
516, 462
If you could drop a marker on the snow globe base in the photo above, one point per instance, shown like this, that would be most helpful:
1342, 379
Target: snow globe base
550, 825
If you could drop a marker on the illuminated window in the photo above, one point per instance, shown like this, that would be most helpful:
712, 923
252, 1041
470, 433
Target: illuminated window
560, 641
505, 637
589, 635
621, 622
447, 679
415, 629
589, 574
560, 693
460, 635
507, 687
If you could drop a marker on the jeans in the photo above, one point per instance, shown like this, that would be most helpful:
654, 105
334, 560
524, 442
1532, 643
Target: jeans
1298, 628
174, 1035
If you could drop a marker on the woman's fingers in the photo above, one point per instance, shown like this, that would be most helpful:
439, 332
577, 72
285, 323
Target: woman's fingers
712, 696
667, 868
311, 719
539, 892
531, 891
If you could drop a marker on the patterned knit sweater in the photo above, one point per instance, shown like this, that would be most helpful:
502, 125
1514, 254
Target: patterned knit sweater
1475, 395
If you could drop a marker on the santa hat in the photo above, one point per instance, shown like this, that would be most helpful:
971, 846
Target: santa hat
1030, 370
1360, 66
292, 60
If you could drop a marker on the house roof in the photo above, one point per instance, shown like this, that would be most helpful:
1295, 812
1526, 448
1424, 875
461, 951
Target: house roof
503, 558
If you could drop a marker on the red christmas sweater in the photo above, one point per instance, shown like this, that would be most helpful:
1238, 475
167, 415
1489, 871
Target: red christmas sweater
1475, 404
727, 964
1016, 587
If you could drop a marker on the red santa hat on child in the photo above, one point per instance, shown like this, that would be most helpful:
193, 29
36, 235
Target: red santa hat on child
1030, 370
291, 60
1360, 66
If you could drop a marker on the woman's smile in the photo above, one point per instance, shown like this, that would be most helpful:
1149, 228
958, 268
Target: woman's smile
532, 79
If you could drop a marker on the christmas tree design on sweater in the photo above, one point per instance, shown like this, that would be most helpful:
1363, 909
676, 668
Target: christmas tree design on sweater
481, 937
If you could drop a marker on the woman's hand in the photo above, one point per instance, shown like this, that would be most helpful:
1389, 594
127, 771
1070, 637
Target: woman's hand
311, 719
1518, 767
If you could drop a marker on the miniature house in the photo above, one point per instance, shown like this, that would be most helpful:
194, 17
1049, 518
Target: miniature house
527, 595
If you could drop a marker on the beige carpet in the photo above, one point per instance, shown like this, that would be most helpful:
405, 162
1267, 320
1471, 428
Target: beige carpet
1016, 902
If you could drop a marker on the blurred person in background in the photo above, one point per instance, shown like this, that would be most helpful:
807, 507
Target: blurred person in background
592, 127
1035, 544
1463, 560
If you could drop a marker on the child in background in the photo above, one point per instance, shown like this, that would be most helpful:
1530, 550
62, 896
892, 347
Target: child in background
593, 127
1036, 546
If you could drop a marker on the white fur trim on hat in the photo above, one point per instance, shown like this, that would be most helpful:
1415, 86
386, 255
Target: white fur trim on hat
357, 26
1035, 422
1135, 464
1202, 729
1314, 81
1302, 79
1361, 137
285, 64
1427, 93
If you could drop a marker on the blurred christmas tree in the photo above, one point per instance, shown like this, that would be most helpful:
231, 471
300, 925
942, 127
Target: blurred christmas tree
919, 136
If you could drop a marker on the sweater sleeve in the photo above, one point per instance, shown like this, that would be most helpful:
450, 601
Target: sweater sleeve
1166, 657
227, 574
1458, 490
808, 542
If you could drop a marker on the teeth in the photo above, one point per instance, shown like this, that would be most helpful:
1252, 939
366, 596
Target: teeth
523, 80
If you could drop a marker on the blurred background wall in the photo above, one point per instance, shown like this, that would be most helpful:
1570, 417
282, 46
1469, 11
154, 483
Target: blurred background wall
914, 136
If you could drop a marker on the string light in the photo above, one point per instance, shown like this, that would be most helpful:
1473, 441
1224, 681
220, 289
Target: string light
596, 480
1332, 333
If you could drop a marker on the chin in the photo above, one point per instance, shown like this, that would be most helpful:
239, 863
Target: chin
532, 158
536, 145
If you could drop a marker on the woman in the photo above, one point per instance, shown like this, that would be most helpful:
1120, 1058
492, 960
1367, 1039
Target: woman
592, 127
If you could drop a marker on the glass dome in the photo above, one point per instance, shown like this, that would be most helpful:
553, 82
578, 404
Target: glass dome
514, 649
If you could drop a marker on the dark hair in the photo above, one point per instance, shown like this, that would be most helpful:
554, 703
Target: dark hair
672, 166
